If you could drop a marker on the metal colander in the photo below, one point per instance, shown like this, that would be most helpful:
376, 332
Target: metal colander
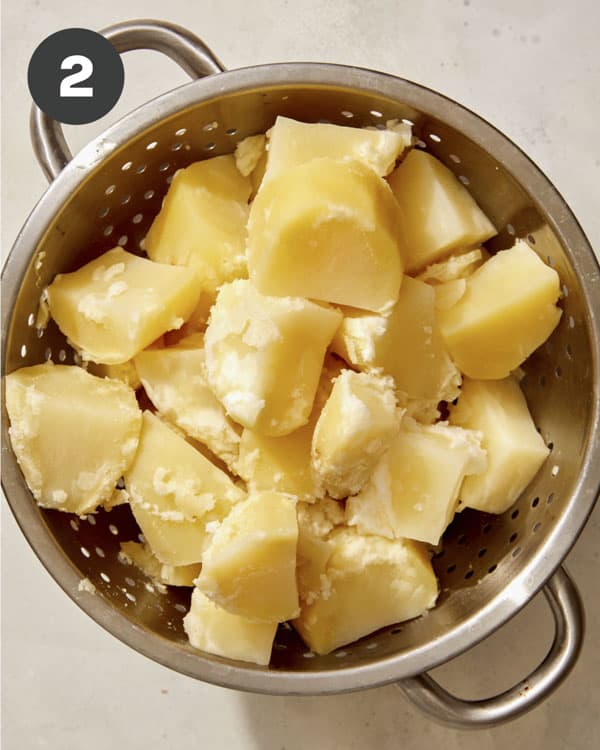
489, 566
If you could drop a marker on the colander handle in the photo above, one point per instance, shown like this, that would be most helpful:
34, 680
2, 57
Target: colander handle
183, 47
431, 698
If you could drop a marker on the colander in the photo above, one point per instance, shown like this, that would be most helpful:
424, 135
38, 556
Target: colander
489, 566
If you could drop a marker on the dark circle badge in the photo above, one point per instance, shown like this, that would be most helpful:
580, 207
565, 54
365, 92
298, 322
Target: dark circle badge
75, 76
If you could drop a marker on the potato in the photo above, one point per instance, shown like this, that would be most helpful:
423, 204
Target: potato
73, 434
175, 381
327, 230
142, 557
118, 304
251, 159
415, 488
202, 223
250, 567
264, 356
371, 582
508, 310
354, 430
292, 143
283, 463
406, 344
178, 497
278, 463
217, 631
440, 215
515, 449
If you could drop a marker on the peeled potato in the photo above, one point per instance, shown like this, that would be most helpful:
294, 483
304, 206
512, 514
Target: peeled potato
202, 223
118, 304
292, 143
74, 434
327, 230
250, 567
440, 215
372, 582
264, 356
515, 449
508, 309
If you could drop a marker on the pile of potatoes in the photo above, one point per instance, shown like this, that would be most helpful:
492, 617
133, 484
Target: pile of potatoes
305, 307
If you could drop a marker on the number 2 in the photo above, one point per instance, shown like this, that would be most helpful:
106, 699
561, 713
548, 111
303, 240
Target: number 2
67, 85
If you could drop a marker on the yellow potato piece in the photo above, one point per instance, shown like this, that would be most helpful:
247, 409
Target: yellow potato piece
118, 304
406, 344
292, 143
507, 311
142, 557
216, 631
440, 215
264, 356
73, 434
414, 490
175, 381
515, 449
327, 230
202, 223
354, 430
178, 497
372, 582
250, 567
283, 463
249, 152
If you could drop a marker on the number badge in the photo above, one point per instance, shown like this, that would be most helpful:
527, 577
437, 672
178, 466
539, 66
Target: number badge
75, 76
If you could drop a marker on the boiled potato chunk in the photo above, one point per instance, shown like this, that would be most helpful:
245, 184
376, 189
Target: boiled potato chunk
515, 449
264, 356
251, 159
118, 304
278, 463
354, 430
508, 310
414, 490
73, 434
175, 381
406, 344
202, 223
440, 215
284, 463
142, 557
178, 497
292, 143
372, 582
327, 230
216, 631
250, 567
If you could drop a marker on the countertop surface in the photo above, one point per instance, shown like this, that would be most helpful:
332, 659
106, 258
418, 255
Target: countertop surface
532, 68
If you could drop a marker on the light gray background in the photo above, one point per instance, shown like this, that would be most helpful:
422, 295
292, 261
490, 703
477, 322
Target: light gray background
531, 67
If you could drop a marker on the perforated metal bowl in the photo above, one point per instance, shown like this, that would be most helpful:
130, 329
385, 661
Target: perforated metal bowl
490, 566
